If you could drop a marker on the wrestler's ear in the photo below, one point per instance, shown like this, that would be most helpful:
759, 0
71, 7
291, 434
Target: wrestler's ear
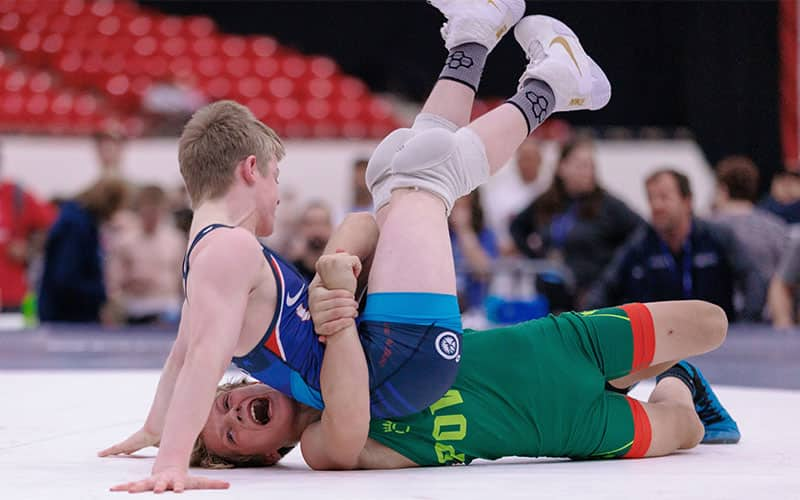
247, 169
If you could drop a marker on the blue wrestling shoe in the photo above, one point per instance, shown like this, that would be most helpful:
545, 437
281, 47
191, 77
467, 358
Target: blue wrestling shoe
720, 427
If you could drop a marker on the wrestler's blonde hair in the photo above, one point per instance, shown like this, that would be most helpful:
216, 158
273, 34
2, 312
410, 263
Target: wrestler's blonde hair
203, 457
215, 140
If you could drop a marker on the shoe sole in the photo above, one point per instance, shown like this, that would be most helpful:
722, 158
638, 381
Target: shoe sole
514, 12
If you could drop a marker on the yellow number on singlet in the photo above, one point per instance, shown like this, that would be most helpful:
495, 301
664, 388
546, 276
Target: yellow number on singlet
446, 453
450, 398
455, 425
457, 434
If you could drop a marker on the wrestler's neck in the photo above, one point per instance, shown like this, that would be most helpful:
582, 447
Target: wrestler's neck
304, 416
229, 209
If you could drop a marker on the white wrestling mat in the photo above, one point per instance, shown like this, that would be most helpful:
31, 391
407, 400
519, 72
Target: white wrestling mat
52, 424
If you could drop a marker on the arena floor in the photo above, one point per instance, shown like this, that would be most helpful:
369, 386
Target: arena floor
57, 414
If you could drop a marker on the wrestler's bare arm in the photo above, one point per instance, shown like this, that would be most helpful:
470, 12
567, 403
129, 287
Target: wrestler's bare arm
336, 441
218, 290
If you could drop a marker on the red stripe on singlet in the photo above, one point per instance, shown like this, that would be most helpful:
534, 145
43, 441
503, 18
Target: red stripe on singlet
642, 432
644, 335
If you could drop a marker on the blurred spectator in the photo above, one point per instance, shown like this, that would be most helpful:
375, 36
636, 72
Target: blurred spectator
504, 202
23, 222
784, 197
109, 145
762, 234
474, 250
181, 208
144, 264
284, 237
362, 199
575, 220
783, 296
314, 230
73, 285
680, 257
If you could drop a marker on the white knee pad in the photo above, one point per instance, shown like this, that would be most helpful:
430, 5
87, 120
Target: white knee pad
379, 166
425, 121
447, 164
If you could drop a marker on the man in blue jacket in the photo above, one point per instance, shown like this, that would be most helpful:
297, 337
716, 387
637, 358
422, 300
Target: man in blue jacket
678, 256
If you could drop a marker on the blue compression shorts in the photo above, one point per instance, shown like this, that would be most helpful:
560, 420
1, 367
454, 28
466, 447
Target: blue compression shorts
412, 343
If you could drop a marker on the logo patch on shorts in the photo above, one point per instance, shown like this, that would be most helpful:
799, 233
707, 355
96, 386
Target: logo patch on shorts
447, 345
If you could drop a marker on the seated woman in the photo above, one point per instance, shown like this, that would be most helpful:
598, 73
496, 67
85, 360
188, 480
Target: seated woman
575, 221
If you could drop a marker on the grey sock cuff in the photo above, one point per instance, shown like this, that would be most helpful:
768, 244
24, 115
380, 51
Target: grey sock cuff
535, 101
464, 64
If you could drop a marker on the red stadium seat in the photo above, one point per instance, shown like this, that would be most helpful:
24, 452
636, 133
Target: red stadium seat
218, 88
52, 45
41, 82
140, 25
250, 87
280, 87
266, 67
238, 67
350, 88
319, 88
200, 27
59, 23
260, 107
36, 23
37, 105
299, 128
182, 68
109, 26
294, 67
262, 46
173, 46
205, 47
102, 8
15, 81
118, 85
233, 46
7, 6
145, 46
323, 67
318, 109
10, 25
170, 26
28, 45
209, 67
73, 7
113, 64
326, 129
287, 109
120, 49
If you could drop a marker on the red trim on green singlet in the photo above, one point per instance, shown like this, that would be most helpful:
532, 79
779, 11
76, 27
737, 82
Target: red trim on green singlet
642, 432
644, 335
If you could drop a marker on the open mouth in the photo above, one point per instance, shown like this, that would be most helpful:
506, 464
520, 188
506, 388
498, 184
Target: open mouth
259, 410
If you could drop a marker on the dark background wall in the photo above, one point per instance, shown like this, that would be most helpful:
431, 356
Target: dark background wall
709, 66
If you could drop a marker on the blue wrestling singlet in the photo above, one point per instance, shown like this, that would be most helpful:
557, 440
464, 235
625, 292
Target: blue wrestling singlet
412, 344
289, 356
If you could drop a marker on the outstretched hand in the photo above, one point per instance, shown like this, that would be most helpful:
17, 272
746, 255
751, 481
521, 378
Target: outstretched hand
173, 478
138, 440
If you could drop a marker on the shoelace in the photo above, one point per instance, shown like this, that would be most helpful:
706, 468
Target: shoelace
709, 414
536, 51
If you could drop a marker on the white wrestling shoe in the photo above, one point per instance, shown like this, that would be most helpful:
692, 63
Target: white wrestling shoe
556, 57
478, 21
